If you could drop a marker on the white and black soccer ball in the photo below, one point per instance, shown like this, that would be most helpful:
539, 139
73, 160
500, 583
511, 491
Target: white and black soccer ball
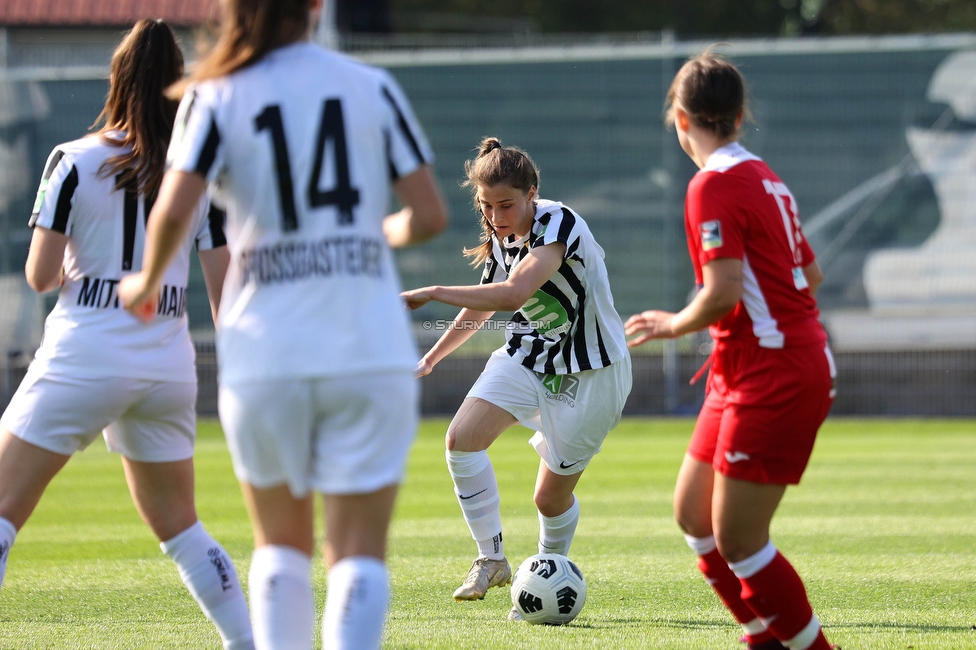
548, 589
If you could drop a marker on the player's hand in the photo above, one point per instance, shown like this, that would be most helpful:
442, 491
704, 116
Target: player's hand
651, 324
416, 298
424, 367
138, 298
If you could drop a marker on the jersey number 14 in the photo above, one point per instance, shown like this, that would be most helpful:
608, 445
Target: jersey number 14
331, 129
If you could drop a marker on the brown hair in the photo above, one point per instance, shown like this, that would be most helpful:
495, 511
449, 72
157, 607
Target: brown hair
712, 91
145, 63
496, 165
249, 29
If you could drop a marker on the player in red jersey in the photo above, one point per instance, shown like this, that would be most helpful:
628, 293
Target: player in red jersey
771, 380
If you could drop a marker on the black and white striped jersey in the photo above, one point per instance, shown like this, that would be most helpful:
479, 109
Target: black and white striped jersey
88, 334
570, 323
302, 148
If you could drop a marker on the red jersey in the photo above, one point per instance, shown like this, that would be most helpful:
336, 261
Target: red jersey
736, 207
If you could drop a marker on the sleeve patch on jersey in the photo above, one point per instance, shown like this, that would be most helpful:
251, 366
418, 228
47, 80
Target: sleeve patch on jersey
711, 235
799, 278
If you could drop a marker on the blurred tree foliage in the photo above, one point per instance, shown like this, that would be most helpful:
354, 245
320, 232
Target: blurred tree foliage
690, 17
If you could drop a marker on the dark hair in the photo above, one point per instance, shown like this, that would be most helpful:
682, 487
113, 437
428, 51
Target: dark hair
496, 165
249, 29
145, 63
712, 91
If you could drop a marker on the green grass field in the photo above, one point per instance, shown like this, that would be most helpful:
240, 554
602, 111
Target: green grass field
883, 529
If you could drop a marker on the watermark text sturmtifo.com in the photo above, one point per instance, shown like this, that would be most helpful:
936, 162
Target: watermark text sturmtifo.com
490, 324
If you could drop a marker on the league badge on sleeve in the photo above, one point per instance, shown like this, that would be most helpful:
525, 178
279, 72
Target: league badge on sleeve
711, 234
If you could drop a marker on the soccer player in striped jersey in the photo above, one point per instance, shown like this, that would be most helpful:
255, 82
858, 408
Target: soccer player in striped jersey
315, 352
98, 368
565, 370
771, 380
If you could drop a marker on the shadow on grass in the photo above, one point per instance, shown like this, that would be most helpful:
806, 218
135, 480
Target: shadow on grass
653, 622
905, 627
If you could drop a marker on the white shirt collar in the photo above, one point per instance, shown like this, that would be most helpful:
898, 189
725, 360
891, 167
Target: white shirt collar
726, 157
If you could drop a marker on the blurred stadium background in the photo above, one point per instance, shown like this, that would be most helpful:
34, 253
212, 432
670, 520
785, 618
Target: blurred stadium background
874, 133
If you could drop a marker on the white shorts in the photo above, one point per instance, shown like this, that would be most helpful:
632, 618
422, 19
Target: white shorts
146, 421
571, 414
332, 435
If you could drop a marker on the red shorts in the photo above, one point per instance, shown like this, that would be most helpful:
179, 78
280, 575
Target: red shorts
762, 411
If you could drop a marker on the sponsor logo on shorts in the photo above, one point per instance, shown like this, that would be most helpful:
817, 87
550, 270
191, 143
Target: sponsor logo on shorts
562, 388
736, 456
567, 465
711, 234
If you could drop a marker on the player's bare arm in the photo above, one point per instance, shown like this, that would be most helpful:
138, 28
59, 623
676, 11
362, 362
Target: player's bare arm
168, 223
722, 290
465, 324
530, 274
814, 276
45, 259
424, 212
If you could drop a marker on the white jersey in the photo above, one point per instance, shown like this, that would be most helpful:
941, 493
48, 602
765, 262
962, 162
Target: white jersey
88, 334
570, 323
301, 149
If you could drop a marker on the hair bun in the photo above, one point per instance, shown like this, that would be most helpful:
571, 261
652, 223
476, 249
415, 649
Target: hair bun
488, 145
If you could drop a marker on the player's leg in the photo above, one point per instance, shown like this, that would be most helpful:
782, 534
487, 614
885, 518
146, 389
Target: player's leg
770, 586
163, 495
475, 426
355, 550
693, 495
25, 472
576, 413
282, 605
366, 426
48, 419
155, 437
768, 437
269, 429
558, 509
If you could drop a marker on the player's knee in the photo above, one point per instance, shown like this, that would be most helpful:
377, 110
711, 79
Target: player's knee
459, 439
168, 522
693, 517
692, 523
550, 503
735, 547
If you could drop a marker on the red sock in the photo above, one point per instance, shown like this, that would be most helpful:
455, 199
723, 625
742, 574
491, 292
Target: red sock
774, 591
727, 586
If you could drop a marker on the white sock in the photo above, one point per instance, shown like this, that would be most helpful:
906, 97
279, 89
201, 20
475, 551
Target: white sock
282, 608
355, 608
556, 533
7, 535
477, 493
212, 580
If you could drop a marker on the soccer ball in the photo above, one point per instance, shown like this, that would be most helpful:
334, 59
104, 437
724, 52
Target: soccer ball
548, 589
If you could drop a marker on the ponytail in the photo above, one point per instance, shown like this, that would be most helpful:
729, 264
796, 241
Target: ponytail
145, 63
